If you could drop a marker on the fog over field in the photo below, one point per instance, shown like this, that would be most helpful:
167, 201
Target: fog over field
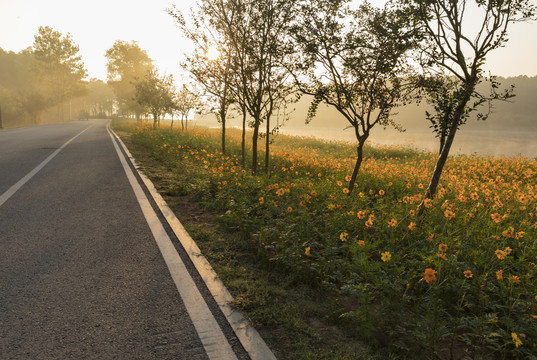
510, 130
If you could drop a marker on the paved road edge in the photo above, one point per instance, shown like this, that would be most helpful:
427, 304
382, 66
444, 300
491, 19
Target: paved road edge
248, 336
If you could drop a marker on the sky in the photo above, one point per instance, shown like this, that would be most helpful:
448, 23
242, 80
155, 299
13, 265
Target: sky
97, 24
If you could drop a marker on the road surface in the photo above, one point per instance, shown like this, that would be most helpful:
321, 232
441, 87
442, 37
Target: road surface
81, 275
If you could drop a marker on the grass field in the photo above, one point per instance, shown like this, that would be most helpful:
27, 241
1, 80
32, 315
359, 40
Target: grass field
325, 275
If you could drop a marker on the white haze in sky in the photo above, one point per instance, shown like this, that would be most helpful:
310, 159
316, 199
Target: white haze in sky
96, 24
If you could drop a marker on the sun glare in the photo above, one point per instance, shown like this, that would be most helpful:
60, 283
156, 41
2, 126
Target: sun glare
213, 53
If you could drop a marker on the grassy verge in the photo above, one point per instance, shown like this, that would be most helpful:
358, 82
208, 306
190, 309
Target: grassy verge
324, 275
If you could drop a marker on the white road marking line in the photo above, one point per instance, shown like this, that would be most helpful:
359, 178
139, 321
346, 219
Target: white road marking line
250, 339
13, 189
213, 339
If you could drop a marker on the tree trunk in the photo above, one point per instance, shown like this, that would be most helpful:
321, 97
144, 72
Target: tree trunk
223, 120
171, 126
243, 143
359, 158
267, 146
182, 122
254, 147
435, 179
155, 121
0, 116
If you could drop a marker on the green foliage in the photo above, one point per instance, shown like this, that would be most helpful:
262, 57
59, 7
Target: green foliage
155, 94
36, 79
459, 280
126, 64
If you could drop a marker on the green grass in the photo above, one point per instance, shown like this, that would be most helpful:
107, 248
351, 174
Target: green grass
305, 261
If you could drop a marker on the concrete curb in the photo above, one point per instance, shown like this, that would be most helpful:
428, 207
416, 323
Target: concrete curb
247, 335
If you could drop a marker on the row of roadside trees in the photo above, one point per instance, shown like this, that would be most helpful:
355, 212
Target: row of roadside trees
140, 89
363, 60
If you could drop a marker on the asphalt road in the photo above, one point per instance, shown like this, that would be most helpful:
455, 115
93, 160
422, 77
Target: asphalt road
80, 274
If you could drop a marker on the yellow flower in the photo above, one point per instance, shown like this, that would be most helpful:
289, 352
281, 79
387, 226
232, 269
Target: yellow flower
344, 236
261, 200
386, 256
516, 340
307, 251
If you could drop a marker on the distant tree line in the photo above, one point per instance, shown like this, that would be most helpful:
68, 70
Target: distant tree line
45, 83
139, 89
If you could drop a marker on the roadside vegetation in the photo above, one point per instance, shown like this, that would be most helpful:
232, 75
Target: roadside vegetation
326, 275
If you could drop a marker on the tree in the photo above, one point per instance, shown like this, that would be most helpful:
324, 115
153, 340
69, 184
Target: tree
59, 65
154, 93
257, 34
355, 61
453, 49
100, 99
210, 63
187, 101
126, 64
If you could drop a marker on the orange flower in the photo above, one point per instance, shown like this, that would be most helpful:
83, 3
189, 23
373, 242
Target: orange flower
382, 192
428, 203
496, 217
468, 274
430, 238
441, 256
500, 254
369, 222
345, 190
515, 279
261, 200
289, 209
361, 242
339, 183
348, 178
474, 196
412, 226
360, 214
442, 247
449, 214
392, 223
499, 274
429, 275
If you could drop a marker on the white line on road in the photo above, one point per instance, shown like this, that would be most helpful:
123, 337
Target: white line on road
213, 339
13, 189
250, 339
